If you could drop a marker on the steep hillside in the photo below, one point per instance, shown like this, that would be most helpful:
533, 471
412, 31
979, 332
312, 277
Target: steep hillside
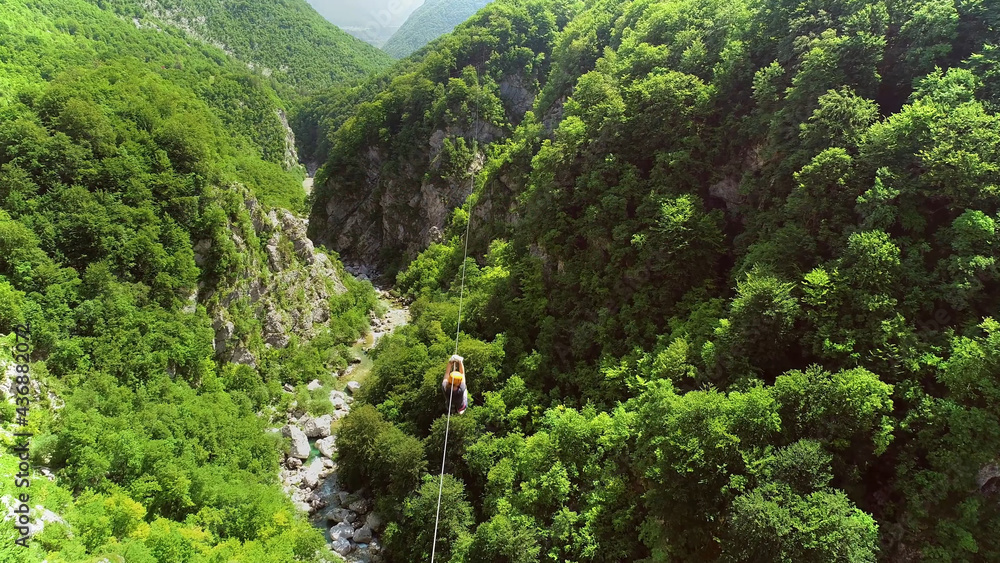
733, 282
286, 39
399, 165
164, 299
431, 20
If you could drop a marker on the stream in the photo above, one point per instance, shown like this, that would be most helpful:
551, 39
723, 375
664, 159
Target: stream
397, 315
345, 517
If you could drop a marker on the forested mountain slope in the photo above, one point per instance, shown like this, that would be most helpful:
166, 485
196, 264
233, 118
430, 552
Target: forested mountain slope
733, 284
400, 162
431, 20
169, 300
286, 39
42, 40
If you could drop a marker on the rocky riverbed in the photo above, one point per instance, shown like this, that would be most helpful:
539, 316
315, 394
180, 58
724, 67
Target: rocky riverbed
310, 479
309, 473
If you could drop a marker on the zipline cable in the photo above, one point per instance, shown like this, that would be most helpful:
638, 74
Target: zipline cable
444, 455
458, 328
447, 423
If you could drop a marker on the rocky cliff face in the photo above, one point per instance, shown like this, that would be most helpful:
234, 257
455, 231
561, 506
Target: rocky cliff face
291, 158
403, 204
281, 288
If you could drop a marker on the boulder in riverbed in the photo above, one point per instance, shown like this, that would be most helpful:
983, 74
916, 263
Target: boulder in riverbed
300, 444
363, 534
374, 521
317, 427
311, 474
360, 506
342, 546
327, 446
341, 531
339, 400
342, 515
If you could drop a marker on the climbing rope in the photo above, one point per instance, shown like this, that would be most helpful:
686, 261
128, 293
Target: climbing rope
458, 328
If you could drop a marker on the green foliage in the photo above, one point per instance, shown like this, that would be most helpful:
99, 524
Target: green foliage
457, 88
774, 524
731, 280
122, 147
375, 452
736, 264
428, 22
415, 532
287, 40
759, 330
503, 538
328, 352
48, 38
848, 412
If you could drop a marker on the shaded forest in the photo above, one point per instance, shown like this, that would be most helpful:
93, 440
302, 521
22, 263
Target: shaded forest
732, 287
130, 160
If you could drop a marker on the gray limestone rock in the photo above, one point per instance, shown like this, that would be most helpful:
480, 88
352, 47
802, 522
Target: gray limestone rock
986, 474
360, 506
342, 515
300, 443
341, 531
243, 356
201, 250
274, 331
223, 333
311, 474
327, 446
342, 546
317, 427
339, 400
363, 534
374, 521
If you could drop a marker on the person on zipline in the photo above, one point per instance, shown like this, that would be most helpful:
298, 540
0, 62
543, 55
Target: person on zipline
453, 385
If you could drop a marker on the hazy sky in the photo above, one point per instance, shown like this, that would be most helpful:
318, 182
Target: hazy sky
372, 20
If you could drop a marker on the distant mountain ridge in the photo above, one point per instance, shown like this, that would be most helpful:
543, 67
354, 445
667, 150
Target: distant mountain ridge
372, 21
286, 39
428, 22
